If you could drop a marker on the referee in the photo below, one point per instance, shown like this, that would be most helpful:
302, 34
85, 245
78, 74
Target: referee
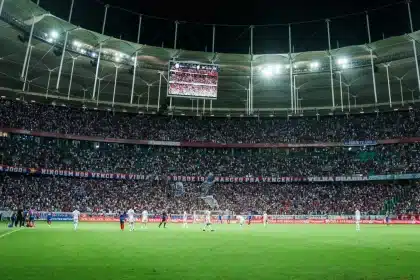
19, 218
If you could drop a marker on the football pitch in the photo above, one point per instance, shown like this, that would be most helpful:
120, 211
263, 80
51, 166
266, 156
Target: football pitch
102, 251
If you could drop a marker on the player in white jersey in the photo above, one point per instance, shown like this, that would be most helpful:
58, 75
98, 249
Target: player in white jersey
131, 219
357, 219
207, 222
76, 215
144, 218
194, 218
241, 220
185, 220
265, 219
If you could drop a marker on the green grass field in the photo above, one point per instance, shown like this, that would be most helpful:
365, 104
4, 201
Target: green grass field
102, 251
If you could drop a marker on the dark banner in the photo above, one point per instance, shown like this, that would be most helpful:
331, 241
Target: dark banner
220, 179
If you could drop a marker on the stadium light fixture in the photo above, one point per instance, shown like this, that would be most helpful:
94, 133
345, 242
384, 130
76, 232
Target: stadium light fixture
50, 40
54, 34
177, 65
343, 61
77, 44
94, 55
314, 65
117, 59
268, 71
83, 51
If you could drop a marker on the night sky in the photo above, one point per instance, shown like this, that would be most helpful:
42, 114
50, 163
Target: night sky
387, 18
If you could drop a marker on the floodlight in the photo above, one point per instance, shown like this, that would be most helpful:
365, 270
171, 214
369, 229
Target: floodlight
342, 61
83, 51
314, 65
177, 65
54, 34
50, 40
117, 59
77, 44
267, 72
94, 55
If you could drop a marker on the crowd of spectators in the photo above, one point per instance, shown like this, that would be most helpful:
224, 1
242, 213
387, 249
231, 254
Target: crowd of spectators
78, 121
179, 77
52, 153
192, 90
66, 194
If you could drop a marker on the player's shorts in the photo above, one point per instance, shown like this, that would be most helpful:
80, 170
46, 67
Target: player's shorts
185, 220
357, 221
144, 220
76, 221
265, 220
131, 220
163, 220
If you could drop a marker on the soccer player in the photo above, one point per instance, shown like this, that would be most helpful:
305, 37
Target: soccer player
130, 214
49, 219
76, 215
387, 218
220, 218
228, 219
185, 220
241, 220
122, 220
207, 222
31, 218
249, 218
144, 218
164, 218
357, 218
265, 219
19, 218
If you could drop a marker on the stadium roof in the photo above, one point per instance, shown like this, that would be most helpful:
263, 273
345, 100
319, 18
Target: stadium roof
270, 94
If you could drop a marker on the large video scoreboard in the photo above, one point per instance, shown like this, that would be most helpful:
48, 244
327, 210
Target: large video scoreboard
193, 80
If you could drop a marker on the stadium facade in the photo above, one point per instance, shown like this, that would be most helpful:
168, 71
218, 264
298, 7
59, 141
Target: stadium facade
103, 72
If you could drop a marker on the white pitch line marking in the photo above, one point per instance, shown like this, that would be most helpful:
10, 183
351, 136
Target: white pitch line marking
10, 232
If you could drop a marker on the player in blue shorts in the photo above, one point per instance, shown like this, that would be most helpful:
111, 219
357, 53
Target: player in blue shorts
387, 219
122, 220
49, 219
228, 219
220, 219
249, 218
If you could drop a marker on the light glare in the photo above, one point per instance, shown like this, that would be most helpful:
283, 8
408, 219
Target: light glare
54, 34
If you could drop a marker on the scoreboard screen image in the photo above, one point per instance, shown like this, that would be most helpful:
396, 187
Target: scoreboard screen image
193, 80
